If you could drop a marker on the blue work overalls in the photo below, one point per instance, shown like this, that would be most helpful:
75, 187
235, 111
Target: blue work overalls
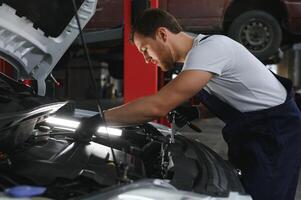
265, 145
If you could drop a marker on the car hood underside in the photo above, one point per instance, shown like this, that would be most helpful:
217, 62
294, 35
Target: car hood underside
32, 42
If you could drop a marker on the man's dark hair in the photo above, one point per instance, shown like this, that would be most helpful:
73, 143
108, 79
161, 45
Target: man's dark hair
151, 19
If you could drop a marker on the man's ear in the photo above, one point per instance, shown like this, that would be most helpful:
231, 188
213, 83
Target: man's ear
162, 33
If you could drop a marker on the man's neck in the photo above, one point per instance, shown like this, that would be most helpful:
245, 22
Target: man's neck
182, 45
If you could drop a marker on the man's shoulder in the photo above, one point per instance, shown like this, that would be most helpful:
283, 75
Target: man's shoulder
213, 39
212, 44
211, 54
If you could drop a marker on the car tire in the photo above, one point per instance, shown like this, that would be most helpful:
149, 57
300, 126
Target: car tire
258, 31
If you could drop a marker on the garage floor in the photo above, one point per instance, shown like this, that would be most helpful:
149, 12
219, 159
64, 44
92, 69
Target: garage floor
212, 137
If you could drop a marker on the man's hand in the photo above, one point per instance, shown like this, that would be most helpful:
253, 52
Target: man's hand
88, 127
183, 114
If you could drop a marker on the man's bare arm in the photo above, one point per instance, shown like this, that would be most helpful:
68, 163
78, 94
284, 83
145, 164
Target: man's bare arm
145, 109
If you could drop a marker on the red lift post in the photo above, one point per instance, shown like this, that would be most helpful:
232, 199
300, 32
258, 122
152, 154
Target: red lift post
140, 79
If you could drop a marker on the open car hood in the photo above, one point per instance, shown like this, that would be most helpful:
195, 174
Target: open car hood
35, 34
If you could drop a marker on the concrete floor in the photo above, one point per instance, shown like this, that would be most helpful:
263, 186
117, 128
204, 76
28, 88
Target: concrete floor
212, 137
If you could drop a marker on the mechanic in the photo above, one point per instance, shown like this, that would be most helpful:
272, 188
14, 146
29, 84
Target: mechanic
263, 129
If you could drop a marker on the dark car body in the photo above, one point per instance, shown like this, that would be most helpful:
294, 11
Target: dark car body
70, 164
293, 9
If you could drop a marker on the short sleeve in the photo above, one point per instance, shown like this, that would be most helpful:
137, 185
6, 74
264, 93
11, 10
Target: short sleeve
210, 55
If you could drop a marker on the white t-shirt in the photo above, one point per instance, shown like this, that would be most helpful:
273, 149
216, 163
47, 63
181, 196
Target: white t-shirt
239, 78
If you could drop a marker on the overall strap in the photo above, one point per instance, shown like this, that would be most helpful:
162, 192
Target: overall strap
221, 109
287, 84
205, 37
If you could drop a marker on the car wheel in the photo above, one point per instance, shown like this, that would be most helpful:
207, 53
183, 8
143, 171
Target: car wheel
258, 31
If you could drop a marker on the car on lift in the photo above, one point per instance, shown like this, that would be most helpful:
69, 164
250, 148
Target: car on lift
43, 154
261, 26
